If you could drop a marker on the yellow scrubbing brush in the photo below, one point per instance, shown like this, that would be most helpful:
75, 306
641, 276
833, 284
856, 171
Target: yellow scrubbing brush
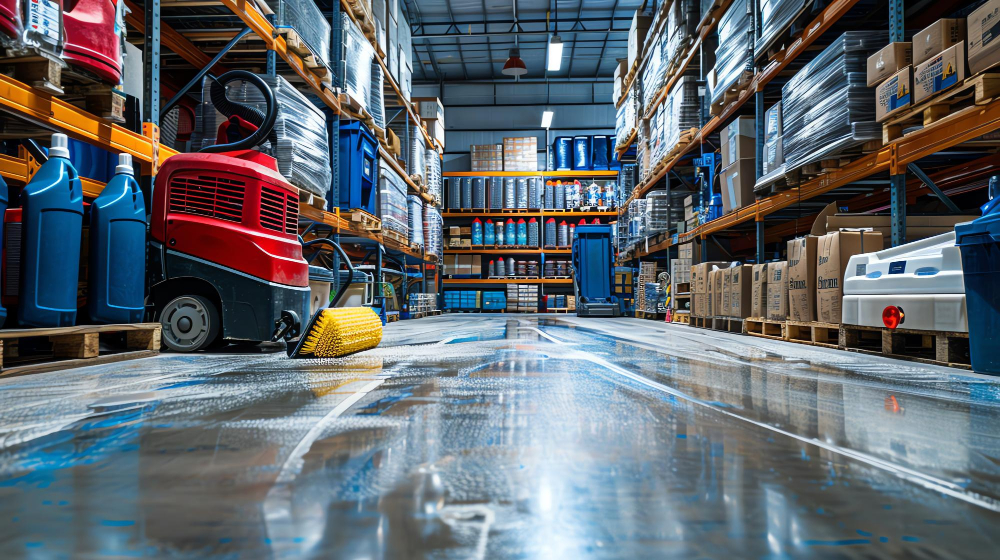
339, 331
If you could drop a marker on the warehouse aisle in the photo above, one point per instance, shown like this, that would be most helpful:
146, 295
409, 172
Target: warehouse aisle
479, 436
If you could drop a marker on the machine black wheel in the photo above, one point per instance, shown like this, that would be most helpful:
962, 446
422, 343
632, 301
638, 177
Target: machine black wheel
190, 323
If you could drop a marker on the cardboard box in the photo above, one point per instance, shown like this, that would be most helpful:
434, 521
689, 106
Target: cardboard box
727, 290
697, 305
637, 36
917, 227
477, 265
738, 141
833, 251
714, 291
894, 95
699, 276
937, 37
450, 264
802, 278
685, 250
740, 303
737, 185
430, 108
939, 72
984, 37
758, 288
886, 62
777, 291
464, 264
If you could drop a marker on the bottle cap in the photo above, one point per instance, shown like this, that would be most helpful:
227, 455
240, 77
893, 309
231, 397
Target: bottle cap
60, 146
124, 165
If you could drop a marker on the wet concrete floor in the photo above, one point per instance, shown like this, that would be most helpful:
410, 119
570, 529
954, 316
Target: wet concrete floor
488, 436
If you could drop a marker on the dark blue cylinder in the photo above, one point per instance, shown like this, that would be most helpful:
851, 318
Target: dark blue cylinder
581, 153
478, 193
600, 153
563, 152
496, 193
117, 260
52, 214
466, 193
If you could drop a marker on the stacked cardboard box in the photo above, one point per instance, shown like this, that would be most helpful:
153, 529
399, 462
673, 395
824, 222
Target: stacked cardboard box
431, 112
738, 285
647, 275
738, 163
984, 46
637, 35
802, 279
777, 291
889, 71
833, 251
520, 154
758, 297
702, 288
487, 157
621, 71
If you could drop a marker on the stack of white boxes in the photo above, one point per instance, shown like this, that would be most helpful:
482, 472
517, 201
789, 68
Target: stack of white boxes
522, 298
680, 273
520, 154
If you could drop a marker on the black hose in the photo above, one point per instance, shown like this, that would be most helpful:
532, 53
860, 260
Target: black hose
264, 121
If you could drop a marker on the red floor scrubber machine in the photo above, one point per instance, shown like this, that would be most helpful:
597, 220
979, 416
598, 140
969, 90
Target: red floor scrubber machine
225, 260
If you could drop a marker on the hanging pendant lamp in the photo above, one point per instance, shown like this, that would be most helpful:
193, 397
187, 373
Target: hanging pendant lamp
514, 65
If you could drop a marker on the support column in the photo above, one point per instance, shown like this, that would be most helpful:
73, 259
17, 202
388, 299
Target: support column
151, 63
760, 240
272, 57
896, 12
897, 187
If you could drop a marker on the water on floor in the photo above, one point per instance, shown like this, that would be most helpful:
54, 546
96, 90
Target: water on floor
483, 436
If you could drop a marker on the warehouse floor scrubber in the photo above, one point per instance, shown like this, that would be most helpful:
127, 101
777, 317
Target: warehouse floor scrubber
226, 262
593, 272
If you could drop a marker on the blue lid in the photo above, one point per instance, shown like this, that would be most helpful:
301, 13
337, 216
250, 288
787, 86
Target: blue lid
973, 232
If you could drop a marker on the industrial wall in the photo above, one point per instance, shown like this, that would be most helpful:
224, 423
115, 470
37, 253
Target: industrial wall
485, 113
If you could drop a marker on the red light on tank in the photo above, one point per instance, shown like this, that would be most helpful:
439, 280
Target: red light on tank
893, 316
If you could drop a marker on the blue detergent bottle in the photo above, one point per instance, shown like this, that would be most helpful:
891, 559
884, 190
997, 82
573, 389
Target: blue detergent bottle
117, 249
522, 232
489, 233
52, 214
4, 200
477, 232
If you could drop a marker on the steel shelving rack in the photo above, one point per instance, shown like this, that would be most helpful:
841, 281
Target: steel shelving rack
894, 158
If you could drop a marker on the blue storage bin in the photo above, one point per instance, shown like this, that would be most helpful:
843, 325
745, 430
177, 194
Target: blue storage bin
979, 242
581, 153
358, 168
562, 149
600, 153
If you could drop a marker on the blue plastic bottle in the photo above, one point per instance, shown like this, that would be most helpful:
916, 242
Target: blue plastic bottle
499, 233
117, 249
52, 214
511, 232
4, 200
522, 232
489, 233
477, 232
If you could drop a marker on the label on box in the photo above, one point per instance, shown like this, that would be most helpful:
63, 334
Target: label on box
939, 72
44, 18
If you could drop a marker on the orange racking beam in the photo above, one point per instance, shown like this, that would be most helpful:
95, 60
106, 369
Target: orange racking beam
171, 39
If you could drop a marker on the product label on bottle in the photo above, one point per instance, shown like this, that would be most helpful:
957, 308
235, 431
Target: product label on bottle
43, 18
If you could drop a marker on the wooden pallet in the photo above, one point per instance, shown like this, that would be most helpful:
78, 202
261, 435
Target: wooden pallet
977, 90
648, 315
701, 322
47, 349
356, 109
310, 60
727, 324
310, 199
732, 93
363, 220
558, 310
949, 349
765, 328
684, 318
815, 333
396, 236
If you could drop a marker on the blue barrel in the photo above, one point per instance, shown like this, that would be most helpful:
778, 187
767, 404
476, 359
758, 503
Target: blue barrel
489, 234
496, 194
979, 242
117, 267
466, 193
478, 193
509, 195
4, 201
477, 232
533, 233
560, 195
522, 192
600, 153
581, 153
522, 232
562, 149
454, 193
550, 233
499, 234
510, 232
52, 214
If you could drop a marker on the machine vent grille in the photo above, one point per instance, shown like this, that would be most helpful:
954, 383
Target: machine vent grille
216, 197
278, 211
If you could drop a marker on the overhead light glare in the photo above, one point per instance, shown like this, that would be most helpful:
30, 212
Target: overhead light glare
547, 119
555, 54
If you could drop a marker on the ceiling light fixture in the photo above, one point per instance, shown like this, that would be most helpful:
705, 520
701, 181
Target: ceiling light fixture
515, 66
547, 118
555, 54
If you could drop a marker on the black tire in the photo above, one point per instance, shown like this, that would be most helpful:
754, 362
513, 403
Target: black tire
190, 323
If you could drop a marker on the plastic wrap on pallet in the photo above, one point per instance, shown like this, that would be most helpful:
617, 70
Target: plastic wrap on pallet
433, 231
393, 208
654, 73
775, 17
680, 110
827, 106
509, 193
432, 169
478, 192
495, 188
415, 219
358, 55
376, 103
657, 212
302, 149
45, 34
534, 190
413, 146
735, 48
466, 189
308, 22
521, 191
625, 121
